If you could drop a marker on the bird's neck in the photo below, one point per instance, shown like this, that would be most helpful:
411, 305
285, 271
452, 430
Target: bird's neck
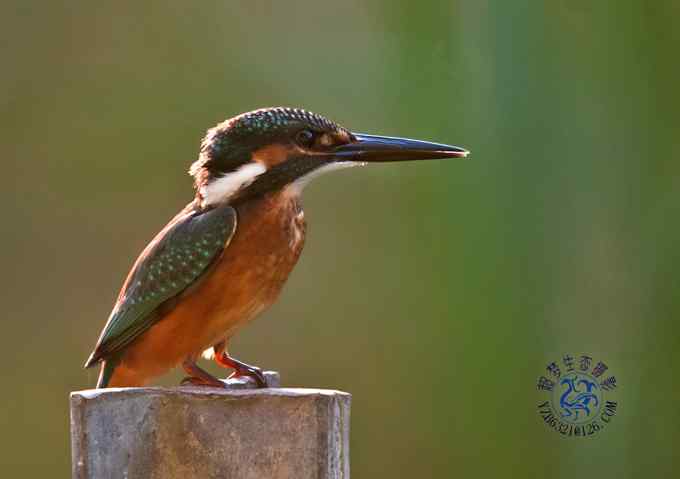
275, 200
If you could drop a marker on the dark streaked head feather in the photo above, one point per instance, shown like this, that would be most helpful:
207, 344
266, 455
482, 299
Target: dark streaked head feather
228, 145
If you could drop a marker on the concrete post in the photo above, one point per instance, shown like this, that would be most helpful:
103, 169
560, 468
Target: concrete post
191, 432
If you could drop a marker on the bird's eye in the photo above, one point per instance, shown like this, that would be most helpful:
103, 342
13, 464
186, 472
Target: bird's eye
305, 138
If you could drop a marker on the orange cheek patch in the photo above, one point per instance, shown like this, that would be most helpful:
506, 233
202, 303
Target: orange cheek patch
272, 155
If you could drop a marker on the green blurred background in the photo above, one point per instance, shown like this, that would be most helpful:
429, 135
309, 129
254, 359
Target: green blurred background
436, 292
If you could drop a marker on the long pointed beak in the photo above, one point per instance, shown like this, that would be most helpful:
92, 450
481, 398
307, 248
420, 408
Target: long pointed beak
371, 148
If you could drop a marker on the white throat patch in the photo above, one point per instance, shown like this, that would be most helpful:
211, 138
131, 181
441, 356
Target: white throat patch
303, 181
221, 189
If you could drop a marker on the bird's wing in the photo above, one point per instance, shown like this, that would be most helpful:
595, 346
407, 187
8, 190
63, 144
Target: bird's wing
172, 262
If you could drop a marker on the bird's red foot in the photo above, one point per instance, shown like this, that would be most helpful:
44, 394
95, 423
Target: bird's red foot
199, 377
194, 381
240, 368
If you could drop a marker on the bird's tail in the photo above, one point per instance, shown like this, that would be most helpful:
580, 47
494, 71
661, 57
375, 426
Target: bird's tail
106, 372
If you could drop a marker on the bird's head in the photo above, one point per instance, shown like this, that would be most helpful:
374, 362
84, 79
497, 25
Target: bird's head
268, 149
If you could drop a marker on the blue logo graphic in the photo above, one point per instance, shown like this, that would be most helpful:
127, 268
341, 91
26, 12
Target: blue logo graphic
579, 398
576, 405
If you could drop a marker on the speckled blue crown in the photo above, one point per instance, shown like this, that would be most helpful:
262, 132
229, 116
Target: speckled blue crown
221, 143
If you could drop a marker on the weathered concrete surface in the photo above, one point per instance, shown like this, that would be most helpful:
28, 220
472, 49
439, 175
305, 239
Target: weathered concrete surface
191, 432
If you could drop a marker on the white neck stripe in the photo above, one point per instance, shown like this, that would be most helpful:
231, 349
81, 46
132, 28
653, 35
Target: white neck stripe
221, 189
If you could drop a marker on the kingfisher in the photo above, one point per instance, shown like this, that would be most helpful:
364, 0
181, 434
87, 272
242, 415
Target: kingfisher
225, 257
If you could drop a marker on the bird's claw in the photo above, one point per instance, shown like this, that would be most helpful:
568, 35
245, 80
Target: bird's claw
194, 381
240, 368
252, 372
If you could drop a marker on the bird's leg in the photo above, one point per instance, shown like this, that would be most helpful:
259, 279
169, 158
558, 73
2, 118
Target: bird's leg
240, 369
198, 376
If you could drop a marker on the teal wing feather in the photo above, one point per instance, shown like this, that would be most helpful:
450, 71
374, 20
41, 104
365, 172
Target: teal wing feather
175, 259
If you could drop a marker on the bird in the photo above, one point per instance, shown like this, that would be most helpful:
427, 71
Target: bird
224, 258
